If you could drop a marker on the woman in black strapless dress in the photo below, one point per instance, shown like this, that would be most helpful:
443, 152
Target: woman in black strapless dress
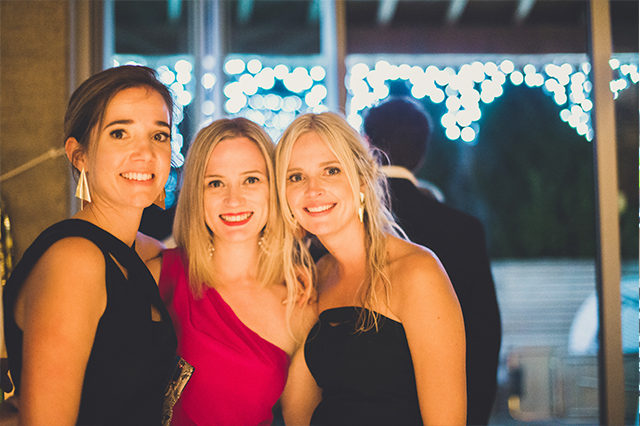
388, 348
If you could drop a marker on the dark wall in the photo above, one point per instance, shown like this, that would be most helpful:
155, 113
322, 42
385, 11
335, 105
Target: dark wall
34, 82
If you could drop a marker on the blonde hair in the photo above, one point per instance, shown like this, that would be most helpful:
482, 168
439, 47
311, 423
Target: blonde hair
362, 169
190, 230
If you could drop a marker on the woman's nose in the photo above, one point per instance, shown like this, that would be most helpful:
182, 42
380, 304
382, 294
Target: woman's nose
233, 196
143, 149
314, 187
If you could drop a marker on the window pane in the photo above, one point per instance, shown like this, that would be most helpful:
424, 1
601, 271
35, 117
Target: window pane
151, 27
625, 75
273, 27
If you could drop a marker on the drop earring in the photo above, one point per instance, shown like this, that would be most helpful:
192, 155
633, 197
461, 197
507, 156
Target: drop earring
82, 189
160, 200
361, 208
210, 248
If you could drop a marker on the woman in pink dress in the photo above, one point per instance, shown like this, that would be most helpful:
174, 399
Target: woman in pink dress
237, 323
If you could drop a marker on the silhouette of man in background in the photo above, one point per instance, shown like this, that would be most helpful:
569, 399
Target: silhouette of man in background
401, 128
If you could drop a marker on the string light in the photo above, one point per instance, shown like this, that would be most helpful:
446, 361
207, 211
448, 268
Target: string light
271, 93
464, 90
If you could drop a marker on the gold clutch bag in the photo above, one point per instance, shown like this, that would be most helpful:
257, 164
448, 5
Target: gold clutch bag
181, 375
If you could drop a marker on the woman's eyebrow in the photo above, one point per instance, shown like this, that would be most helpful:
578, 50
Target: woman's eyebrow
116, 122
129, 121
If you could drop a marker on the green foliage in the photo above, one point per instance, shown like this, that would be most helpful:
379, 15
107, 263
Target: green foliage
529, 177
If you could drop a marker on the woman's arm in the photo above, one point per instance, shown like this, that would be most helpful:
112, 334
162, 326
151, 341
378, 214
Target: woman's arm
301, 394
150, 251
430, 313
58, 310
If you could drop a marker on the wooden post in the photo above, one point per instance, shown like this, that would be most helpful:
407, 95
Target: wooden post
611, 374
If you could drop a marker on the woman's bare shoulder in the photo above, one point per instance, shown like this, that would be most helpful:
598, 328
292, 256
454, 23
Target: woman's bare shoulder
150, 251
415, 272
70, 275
75, 254
405, 254
303, 319
148, 247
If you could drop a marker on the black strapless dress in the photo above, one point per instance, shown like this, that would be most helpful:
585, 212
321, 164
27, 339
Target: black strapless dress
366, 378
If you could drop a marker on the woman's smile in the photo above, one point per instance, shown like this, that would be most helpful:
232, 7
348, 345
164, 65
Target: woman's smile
138, 177
318, 210
235, 219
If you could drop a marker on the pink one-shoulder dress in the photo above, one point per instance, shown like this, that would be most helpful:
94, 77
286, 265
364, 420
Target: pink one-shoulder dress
238, 376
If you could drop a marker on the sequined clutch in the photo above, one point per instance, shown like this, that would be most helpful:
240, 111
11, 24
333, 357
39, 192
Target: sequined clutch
181, 375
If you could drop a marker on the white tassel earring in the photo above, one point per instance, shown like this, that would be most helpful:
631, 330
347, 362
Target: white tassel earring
82, 189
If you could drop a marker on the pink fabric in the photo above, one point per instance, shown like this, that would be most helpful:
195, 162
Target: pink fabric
238, 375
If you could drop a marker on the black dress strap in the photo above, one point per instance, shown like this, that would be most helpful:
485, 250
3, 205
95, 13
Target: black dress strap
110, 245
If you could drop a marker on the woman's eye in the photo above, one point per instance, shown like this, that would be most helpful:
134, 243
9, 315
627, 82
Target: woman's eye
215, 184
252, 180
296, 177
117, 134
161, 137
331, 171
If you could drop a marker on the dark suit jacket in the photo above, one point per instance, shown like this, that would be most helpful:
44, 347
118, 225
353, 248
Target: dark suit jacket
459, 242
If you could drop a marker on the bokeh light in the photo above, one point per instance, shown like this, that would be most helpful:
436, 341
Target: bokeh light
467, 87
271, 92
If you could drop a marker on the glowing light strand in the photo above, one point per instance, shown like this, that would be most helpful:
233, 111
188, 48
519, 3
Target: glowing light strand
464, 90
273, 93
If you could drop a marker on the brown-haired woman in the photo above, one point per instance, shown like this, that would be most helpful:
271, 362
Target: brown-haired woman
88, 337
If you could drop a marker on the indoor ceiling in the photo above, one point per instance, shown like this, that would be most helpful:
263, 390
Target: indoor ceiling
382, 26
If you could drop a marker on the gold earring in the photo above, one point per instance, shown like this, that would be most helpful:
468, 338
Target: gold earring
160, 200
82, 189
361, 208
262, 243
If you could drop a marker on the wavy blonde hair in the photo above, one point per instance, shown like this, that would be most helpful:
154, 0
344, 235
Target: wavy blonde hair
362, 169
190, 230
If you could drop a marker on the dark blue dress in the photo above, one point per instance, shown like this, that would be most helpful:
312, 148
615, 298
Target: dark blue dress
367, 378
